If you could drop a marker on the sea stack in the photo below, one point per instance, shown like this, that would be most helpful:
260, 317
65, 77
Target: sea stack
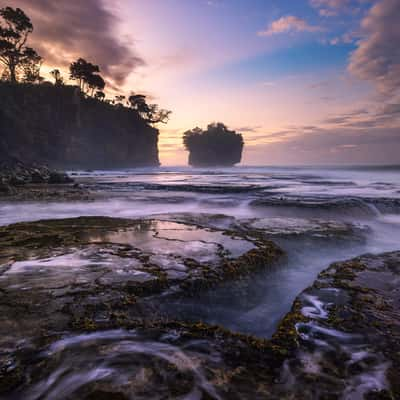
216, 146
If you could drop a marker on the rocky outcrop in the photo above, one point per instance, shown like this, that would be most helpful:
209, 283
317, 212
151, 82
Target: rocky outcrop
80, 317
58, 126
347, 332
216, 146
14, 173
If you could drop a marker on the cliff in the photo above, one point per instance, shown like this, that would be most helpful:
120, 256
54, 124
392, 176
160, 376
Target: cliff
216, 146
58, 126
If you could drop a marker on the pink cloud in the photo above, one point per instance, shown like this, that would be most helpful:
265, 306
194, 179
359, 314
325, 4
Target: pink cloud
66, 30
377, 58
289, 23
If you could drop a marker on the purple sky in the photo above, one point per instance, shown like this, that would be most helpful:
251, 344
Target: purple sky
305, 81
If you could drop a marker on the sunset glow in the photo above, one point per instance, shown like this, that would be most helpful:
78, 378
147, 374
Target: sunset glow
305, 82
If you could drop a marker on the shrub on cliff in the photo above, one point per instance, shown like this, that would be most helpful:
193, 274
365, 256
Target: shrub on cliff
216, 146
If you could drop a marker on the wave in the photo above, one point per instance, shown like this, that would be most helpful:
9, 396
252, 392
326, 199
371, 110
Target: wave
217, 189
347, 206
122, 362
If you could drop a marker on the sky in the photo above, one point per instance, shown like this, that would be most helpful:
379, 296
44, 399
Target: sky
304, 81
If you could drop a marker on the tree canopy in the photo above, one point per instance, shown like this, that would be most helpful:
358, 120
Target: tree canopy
56, 74
87, 74
17, 58
216, 146
150, 112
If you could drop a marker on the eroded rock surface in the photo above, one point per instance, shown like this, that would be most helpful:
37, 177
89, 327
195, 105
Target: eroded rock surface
277, 227
79, 320
87, 271
348, 335
316, 228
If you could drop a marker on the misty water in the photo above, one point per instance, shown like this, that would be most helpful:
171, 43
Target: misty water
290, 203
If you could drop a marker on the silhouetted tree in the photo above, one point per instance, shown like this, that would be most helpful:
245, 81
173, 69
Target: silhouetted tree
149, 112
87, 74
119, 99
15, 55
95, 82
99, 95
138, 102
58, 79
215, 146
31, 67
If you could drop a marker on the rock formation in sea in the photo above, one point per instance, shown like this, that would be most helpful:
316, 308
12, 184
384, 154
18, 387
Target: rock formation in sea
216, 146
59, 126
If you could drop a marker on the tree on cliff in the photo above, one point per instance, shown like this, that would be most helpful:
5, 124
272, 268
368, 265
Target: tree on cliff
99, 95
58, 79
118, 100
87, 74
95, 82
31, 67
149, 112
216, 146
15, 55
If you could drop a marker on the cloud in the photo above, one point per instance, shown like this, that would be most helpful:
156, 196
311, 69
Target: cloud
66, 30
247, 128
346, 38
257, 139
332, 8
380, 116
347, 118
329, 146
329, 3
268, 84
319, 85
213, 3
327, 13
377, 58
289, 23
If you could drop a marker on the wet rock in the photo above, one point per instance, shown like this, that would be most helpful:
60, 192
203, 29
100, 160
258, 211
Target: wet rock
5, 188
173, 361
311, 228
275, 227
56, 178
79, 317
349, 341
94, 268
214, 221
15, 172
318, 207
37, 177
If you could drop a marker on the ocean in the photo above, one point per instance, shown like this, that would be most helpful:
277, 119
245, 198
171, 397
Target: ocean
305, 210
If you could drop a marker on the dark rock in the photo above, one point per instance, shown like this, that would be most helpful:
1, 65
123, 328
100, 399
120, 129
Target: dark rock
14, 172
59, 178
15, 180
41, 123
79, 300
5, 188
37, 177
216, 146
349, 331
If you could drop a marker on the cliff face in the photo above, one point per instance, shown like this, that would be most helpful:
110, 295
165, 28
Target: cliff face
210, 157
56, 125
216, 146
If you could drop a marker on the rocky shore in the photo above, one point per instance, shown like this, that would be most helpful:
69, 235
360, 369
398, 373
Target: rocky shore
29, 181
81, 318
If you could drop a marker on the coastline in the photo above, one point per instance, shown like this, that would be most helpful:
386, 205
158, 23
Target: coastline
120, 286
347, 308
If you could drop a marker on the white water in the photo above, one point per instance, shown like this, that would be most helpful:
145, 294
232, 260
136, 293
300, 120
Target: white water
290, 200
